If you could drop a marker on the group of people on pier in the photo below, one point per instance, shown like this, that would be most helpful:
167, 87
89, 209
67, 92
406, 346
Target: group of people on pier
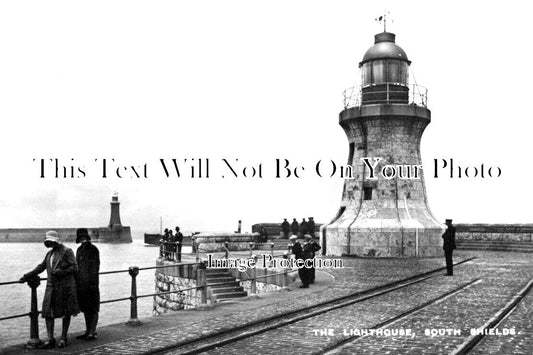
172, 243
298, 229
307, 251
72, 285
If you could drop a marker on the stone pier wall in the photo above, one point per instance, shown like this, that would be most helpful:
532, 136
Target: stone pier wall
213, 242
495, 232
174, 278
36, 235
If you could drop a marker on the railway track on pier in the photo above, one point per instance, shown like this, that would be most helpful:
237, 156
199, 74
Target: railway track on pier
217, 341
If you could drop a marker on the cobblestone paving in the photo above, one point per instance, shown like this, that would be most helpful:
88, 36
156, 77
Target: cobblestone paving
502, 275
358, 316
501, 278
520, 320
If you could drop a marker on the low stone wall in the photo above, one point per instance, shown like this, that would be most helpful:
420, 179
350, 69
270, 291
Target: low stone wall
36, 235
499, 232
175, 278
274, 229
213, 242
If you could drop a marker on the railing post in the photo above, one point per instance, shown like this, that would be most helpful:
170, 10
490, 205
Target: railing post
34, 341
195, 248
253, 291
251, 247
178, 251
134, 321
284, 279
161, 248
272, 249
226, 248
201, 281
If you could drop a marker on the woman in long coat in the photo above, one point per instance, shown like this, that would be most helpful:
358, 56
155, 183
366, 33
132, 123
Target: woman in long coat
60, 299
88, 258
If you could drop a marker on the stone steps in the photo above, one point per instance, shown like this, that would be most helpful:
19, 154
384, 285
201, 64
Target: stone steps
230, 290
495, 245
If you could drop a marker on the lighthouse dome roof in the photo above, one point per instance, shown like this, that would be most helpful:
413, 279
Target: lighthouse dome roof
385, 48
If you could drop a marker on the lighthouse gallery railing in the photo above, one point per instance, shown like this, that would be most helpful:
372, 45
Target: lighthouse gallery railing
354, 96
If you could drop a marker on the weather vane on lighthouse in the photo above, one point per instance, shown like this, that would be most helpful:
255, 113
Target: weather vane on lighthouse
383, 18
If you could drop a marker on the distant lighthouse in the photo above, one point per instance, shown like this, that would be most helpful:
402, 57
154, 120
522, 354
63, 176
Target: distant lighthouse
385, 215
114, 221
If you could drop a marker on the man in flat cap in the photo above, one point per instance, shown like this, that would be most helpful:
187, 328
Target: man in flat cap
298, 252
312, 247
179, 240
311, 227
60, 299
88, 258
449, 245
285, 228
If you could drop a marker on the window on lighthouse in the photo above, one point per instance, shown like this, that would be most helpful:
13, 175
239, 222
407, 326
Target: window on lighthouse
367, 193
383, 71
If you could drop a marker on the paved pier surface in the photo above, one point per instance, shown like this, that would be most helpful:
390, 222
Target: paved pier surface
496, 277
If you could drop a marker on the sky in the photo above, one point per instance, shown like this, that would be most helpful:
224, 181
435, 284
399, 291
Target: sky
249, 82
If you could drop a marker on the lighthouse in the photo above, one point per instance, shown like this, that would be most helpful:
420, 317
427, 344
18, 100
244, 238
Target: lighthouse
384, 209
114, 220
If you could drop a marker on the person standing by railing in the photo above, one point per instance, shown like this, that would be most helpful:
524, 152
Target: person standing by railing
295, 227
171, 245
285, 228
179, 240
60, 299
87, 283
298, 252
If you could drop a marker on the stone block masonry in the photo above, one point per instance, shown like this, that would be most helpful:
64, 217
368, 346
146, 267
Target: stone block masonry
175, 278
495, 232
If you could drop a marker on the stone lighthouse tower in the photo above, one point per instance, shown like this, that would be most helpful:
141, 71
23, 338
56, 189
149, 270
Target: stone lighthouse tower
384, 210
114, 220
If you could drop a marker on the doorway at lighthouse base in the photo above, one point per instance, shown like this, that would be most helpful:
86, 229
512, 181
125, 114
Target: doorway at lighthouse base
383, 238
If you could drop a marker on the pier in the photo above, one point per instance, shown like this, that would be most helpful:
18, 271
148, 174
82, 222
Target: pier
355, 309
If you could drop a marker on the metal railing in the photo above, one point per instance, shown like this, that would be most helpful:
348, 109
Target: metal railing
133, 271
416, 95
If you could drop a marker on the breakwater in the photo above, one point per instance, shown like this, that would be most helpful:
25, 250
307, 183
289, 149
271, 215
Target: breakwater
36, 235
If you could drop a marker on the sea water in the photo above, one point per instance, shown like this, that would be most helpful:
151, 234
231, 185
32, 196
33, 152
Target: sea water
19, 258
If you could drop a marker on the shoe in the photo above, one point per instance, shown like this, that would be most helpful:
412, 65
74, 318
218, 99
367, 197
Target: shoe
82, 336
92, 336
62, 343
49, 344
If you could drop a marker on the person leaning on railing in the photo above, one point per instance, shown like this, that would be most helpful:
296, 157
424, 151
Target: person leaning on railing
60, 300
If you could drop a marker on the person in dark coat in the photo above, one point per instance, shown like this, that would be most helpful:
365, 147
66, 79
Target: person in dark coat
87, 282
308, 254
314, 248
303, 228
60, 299
179, 238
285, 228
311, 227
295, 227
449, 245
264, 235
171, 246
298, 252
